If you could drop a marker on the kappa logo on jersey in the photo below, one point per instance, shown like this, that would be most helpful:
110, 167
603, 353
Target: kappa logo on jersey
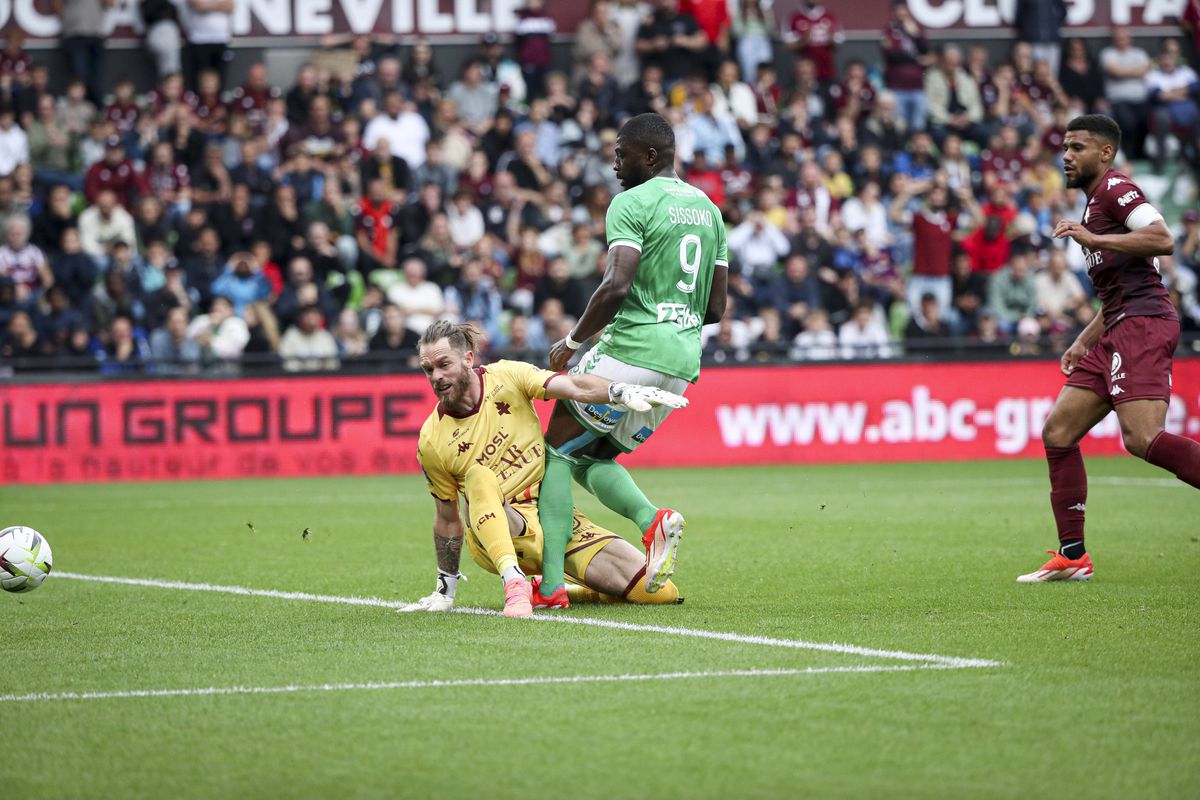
503, 407
1113, 182
464, 447
1116, 364
1128, 198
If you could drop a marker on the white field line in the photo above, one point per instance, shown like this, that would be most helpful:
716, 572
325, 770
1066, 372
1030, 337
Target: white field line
436, 684
384, 499
800, 644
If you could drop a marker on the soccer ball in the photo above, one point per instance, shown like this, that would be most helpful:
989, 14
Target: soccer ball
24, 559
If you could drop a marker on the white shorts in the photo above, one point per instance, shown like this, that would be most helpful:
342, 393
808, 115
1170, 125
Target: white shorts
626, 429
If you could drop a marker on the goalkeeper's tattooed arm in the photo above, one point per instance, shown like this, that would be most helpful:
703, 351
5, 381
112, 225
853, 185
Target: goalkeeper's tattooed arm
584, 388
447, 536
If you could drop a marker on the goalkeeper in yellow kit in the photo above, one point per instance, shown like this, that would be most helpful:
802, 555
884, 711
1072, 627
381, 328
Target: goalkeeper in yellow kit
484, 442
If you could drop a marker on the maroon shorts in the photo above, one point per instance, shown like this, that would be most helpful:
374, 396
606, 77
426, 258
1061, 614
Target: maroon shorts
1132, 361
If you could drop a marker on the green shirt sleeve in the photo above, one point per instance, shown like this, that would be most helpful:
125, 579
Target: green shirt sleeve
623, 224
722, 244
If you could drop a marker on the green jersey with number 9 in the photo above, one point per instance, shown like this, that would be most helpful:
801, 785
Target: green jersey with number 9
681, 236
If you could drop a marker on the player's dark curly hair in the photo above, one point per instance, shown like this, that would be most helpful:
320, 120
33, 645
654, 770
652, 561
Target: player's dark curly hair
649, 130
1099, 125
463, 336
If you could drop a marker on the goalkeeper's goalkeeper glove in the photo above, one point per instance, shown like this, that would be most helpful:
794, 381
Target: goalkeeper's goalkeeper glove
440, 600
643, 398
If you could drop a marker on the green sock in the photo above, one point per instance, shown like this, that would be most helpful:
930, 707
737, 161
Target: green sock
614, 487
557, 515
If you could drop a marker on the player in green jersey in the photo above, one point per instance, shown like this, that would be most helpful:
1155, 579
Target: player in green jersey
667, 275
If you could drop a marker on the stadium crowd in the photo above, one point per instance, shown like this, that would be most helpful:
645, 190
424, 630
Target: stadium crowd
889, 206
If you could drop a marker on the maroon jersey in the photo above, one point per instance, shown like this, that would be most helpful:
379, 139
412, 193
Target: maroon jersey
121, 178
15, 64
123, 116
844, 94
1009, 165
820, 32
933, 241
159, 101
1128, 286
252, 103
167, 179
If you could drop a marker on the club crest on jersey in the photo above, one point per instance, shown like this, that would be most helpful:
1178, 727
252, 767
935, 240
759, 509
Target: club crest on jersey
1113, 182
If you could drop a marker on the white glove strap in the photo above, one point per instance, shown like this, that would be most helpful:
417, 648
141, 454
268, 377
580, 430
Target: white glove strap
615, 390
571, 343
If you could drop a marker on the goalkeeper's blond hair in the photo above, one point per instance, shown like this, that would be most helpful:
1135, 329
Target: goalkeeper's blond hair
462, 336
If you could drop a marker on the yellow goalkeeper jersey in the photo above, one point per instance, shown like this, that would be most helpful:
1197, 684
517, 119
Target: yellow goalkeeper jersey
502, 434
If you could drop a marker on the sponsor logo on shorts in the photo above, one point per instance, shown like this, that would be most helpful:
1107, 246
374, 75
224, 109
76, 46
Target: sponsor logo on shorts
606, 416
1116, 365
641, 436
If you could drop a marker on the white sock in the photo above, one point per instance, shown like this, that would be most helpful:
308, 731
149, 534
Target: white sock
513, 574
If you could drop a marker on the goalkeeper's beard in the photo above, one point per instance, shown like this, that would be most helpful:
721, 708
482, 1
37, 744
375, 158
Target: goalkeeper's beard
456, 395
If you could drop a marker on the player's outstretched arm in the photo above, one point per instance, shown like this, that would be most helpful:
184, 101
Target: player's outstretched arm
594, 389
447, 542
622, 266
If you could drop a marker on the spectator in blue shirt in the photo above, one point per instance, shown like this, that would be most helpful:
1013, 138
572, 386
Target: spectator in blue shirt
242, 282
712, 132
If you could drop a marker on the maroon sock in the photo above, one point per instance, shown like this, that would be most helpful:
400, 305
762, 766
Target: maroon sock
1178, 455
1068, 491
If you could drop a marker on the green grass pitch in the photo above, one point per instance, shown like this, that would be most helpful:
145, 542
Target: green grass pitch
1098, 695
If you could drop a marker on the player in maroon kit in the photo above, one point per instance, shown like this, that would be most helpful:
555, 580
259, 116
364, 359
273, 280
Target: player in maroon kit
1122, 360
